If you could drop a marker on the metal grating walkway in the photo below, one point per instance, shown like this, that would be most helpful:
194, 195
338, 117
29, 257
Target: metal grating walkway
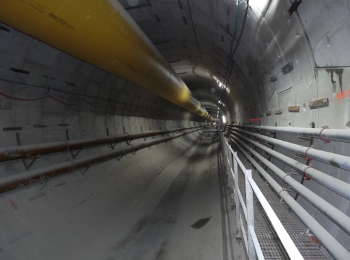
268, 239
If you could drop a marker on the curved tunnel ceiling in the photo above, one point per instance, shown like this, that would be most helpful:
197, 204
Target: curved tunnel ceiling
132, 56
263, 40
206, 85
252, 47
248, 59
196, 47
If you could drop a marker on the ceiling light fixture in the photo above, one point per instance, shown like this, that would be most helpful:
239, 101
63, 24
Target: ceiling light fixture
224, 119
220, 84
261, 5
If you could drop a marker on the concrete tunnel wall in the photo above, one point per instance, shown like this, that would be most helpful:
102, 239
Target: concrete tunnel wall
75, 201
314, 39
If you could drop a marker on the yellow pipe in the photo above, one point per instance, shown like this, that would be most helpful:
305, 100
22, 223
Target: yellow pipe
102, 33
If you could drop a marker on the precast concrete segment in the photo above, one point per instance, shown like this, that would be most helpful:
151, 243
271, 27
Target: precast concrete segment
336, 160
26, 178
337, 216
25, 151
327, 240
102, 33
339, 135
336, 185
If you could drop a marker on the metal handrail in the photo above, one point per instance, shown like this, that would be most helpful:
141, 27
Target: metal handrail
338, 186
327, 240
250, 239
338, 217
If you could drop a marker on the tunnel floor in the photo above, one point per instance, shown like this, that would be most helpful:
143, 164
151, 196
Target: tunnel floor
177, 210
189, 221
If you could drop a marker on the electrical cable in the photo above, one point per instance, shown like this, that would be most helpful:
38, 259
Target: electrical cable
233, 36
238, 40
54, 98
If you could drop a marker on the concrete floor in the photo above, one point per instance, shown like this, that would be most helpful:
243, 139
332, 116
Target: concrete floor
192, 198
179, 212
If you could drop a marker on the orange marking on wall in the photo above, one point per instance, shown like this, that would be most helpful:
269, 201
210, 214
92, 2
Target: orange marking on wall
343, 95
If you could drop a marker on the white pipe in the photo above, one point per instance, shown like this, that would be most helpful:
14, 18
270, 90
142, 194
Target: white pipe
336, 160
338, 217
336, 185
339, 135
327, 240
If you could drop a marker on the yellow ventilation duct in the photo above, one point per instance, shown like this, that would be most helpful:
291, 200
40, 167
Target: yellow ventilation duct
102, 33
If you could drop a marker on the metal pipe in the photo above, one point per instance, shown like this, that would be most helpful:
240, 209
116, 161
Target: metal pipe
101, 33
339, 135
18, 152
327, 240
336, 160
25, 178
336, 185
338, 217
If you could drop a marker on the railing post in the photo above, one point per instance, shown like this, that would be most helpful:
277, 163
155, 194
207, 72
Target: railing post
250, 215
232, 182
229, 163
228, 172
237, 203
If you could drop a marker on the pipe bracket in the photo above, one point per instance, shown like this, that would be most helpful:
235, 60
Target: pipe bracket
287, 175
304, 173
283, 189
326, 141
112, 146
306, 156
76, 154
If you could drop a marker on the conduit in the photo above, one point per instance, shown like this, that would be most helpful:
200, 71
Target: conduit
102, 33
336, 185
339, 135
25, 178
25, 151
336, 160
327, 240
341, 219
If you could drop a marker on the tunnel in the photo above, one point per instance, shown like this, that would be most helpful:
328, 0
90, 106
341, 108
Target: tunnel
174, 129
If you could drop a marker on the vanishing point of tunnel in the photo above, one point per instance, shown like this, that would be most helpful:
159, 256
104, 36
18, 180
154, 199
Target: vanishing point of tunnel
174, 129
